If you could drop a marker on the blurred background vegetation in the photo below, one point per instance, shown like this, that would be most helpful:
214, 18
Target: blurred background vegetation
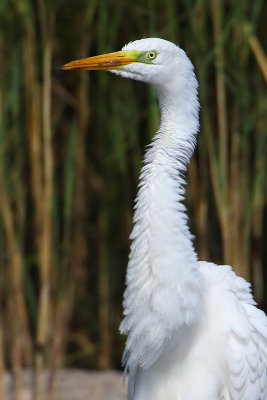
71, 147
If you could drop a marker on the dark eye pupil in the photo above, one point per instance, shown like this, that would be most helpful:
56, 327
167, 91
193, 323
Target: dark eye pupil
151, 55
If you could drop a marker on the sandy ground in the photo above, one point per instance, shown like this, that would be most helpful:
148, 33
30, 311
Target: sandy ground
76, 385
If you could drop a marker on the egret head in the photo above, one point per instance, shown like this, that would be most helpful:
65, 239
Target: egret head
153, 60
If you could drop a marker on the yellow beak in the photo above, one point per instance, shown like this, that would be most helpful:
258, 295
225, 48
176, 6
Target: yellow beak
106, 61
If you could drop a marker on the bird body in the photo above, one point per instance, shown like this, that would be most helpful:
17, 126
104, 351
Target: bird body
193, 331
218, 357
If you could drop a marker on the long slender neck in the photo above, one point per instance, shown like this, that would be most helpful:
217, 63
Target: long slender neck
163, 286
166, 162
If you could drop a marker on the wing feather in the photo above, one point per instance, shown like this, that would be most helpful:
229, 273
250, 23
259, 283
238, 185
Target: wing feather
246, 362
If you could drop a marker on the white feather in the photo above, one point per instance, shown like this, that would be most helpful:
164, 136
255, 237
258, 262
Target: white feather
194, 332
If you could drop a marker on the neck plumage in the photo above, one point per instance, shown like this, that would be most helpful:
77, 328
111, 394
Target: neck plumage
163, 284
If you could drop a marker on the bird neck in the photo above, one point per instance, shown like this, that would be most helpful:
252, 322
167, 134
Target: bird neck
179, 107
163, 282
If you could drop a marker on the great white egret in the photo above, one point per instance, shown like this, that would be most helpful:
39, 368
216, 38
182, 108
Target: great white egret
194, 332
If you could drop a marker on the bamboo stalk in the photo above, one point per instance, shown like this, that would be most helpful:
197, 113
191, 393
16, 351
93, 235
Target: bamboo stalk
202, 209
2, 347
103, 292
102, 237
19, 335
207, 162
35, 154
235, 193
217, 19
33, 130
16, 299
60, 322
235, 187
257, 50
257, 265
44, 316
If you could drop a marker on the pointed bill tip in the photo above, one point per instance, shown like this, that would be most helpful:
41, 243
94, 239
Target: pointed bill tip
103, 62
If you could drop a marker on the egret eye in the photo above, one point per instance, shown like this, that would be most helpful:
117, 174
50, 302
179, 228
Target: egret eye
151, 55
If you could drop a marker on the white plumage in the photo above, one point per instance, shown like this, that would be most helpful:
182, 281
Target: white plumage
194, 332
